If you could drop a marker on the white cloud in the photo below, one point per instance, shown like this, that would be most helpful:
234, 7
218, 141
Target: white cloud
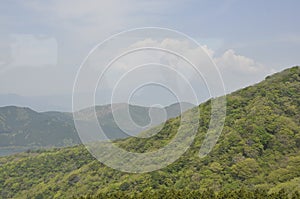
230, 60
237, 70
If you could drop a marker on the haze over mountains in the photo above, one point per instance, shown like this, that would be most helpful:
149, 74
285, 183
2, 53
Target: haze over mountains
259, 148
24, 128
63, 102
38, 103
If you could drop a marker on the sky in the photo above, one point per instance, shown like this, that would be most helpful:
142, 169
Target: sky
43, 43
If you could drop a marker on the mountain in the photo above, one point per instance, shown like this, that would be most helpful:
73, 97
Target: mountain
259, 148
62, 102
23, 128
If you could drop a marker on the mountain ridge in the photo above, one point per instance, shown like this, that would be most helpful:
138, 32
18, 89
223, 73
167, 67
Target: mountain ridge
259, 148
24, 128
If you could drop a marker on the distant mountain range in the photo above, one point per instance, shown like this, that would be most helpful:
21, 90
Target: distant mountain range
22, 128
63, 102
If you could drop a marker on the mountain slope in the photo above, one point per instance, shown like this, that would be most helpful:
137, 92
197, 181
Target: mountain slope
23, 128
258, 148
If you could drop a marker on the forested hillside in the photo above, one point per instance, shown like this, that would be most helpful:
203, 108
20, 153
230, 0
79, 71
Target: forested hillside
23, 127
259, 149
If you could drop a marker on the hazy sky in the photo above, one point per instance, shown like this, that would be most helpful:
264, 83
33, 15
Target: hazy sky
42, 43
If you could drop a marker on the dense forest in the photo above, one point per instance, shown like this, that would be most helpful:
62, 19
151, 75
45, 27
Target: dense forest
196, 194
256, 156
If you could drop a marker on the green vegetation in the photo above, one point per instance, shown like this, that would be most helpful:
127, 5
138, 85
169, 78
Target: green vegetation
196, 194
23, 128
257, 156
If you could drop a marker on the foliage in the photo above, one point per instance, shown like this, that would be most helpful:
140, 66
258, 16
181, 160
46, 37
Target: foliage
196, 194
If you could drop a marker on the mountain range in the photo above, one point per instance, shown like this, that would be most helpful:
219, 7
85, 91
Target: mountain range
259, 149
23, 128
